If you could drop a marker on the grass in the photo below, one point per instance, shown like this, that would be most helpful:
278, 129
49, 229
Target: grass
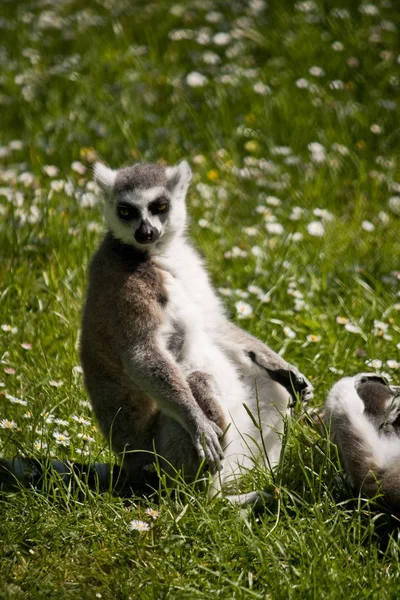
110, 81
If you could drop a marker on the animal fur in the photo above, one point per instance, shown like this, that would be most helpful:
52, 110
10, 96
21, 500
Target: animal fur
364, 416
163, 366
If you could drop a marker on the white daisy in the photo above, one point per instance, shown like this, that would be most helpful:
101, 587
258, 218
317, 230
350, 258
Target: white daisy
289, 332
313, 338
243, 310
61, 438
374, 363
316, 228
81, 420
137, 525
9, 328
154, 514
352, 328
15, 400
196, 79
85, 438
7, 424
367, 226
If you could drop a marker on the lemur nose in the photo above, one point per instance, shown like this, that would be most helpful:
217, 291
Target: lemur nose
145, 233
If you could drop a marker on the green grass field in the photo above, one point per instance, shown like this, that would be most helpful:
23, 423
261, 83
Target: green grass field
289, 116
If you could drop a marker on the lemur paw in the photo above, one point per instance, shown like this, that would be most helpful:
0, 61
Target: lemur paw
301, 385
284, 374
207, 444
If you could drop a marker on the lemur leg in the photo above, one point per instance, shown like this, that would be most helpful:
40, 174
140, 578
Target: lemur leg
173, 445
174, 448
250, 355
134, 434
250, 498
272, 383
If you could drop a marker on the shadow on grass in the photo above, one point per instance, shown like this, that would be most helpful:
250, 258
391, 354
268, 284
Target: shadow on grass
309, 483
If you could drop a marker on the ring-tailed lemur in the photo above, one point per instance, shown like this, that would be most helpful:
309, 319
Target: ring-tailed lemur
164, 367
364, 415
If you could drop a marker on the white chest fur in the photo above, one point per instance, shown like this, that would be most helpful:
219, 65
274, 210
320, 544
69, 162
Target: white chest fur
190, 295
195, 308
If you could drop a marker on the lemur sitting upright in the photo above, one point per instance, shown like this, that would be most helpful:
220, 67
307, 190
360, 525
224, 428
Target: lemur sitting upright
364, 416
164, 367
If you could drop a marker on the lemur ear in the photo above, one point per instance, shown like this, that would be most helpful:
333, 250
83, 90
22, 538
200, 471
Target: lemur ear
179, 176
104, 177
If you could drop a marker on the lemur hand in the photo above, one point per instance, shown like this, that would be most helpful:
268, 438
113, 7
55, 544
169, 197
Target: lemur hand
207, 445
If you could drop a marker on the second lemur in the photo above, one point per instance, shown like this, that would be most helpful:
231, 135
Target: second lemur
364, 416
164, 367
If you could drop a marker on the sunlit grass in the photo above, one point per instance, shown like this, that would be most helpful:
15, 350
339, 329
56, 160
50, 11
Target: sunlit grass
288, 114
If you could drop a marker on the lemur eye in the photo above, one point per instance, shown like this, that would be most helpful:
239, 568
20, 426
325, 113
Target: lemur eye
126, 212
159, 206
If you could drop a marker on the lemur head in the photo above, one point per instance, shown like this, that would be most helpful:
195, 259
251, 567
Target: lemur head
145, 204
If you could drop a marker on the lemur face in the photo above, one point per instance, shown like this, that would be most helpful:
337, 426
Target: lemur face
145, 203
141, 213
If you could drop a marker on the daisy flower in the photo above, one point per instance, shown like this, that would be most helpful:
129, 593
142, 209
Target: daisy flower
313, 338
352, 328
225, 291
15, 400
196, 79
137, 525
39, 445
342, 320
7, 424
9, 328
316, 228
51, 170
55, 383
289, 332
393, 364
85, 438
62, 422
367, 226
81, 420
151, 512
243, 310
254, 289
374, 363
61, 438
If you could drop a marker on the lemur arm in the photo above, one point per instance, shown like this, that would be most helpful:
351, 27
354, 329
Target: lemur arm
154, 370
205, 392
245, 350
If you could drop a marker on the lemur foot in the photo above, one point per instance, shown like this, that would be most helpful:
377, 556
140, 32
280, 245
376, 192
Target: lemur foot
253, 499
287, 376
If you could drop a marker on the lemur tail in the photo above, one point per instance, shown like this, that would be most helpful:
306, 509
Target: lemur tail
28, 472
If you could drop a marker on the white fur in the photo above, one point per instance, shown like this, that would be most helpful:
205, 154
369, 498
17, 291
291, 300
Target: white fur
140, 199
180, 174
175, 223
344, 399
104, 177
193, 304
